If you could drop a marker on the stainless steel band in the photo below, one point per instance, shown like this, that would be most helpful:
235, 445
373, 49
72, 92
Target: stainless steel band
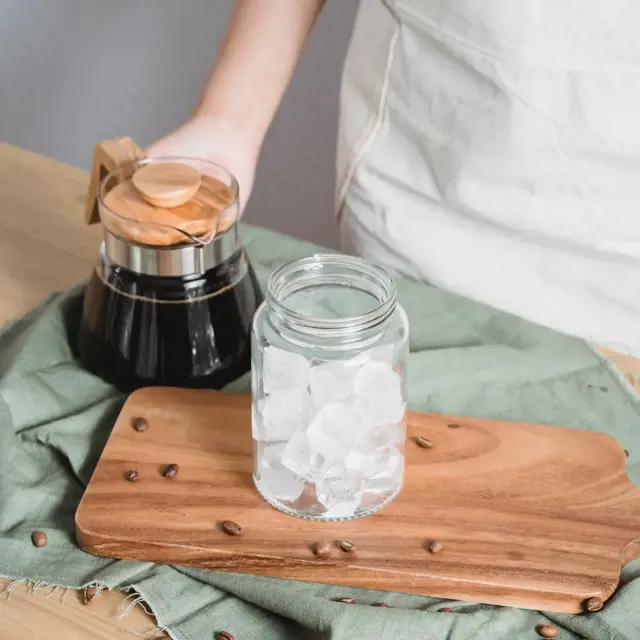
171, 261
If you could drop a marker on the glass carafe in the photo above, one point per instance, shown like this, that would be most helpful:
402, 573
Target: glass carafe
172, 296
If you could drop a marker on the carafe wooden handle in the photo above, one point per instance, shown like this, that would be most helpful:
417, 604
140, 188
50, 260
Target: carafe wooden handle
108, 155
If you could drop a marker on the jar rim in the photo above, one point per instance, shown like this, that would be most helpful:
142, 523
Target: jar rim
336, 268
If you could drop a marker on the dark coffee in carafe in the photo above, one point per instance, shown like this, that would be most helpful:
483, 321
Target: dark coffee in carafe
192, 331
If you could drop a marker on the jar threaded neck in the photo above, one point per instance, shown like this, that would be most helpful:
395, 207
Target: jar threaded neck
353, 275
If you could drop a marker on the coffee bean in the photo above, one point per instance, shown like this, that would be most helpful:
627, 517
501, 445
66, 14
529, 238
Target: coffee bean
380, 604
322, 549
435, 546
139, 424
547, 631
592, 605
131, 476
89, 594
231, 528
39, 539
423, 443
347, 546
346, 600
170, 470
626, 453
224, 635
445, 610
453, 425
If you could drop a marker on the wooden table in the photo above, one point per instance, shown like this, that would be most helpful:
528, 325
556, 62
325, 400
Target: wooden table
45, 246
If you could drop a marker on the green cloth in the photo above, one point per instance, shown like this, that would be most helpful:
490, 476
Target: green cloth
466, 359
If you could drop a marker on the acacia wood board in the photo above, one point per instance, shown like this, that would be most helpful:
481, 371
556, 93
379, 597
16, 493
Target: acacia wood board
532, 516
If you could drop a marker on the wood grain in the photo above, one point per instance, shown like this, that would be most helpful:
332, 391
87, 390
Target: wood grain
167, 184
107, 155
44, 243
530, 516
61, 615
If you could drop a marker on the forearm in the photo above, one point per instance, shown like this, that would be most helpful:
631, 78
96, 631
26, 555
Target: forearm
256, 61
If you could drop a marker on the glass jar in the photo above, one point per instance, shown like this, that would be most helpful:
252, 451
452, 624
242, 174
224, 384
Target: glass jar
329, 345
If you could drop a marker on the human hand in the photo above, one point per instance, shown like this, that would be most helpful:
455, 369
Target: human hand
211, 138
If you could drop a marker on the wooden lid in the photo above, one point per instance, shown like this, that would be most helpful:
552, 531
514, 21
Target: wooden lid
153, 201
167, 184
200, 216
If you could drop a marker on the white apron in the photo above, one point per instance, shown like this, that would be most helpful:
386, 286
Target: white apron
492, 148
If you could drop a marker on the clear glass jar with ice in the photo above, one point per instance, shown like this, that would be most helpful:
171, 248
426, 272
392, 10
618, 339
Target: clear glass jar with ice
329, 347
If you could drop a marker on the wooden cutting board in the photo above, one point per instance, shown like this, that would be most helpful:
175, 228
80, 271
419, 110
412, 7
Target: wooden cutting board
530, 516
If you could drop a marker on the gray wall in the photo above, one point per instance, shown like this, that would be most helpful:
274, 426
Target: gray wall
73, 72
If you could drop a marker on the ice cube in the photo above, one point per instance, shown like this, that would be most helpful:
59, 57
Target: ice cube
335, 485
384, 472
344, 509
299, 458
279, 482
357, 460
380, 486
269, 452
385, 464
256, 423
374, 463
284, 370
283, 412
331, 382
381, 437
333, 429
381, 353
378, 390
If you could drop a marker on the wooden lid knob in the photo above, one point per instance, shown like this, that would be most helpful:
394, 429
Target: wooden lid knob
167, 184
